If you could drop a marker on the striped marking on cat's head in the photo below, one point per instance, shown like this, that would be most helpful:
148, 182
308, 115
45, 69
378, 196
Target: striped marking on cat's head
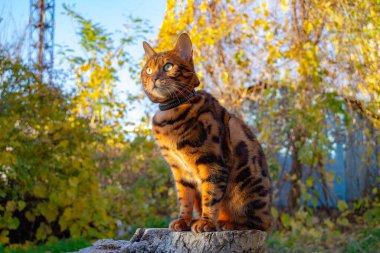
169, 75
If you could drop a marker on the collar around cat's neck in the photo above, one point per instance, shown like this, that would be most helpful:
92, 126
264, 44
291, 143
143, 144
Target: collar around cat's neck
176, 102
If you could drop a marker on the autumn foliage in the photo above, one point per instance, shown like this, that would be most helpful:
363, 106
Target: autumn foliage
303, 74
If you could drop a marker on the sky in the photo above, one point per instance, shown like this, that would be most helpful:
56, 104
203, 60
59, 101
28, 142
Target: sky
111, 15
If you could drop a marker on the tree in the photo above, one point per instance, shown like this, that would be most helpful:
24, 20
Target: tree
294, 69
49, 185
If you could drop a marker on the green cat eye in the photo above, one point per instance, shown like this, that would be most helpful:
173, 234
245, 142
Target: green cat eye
168, 67
148, 71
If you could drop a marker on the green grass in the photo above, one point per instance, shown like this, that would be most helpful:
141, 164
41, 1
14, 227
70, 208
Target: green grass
60, 246
368, 241
354, 241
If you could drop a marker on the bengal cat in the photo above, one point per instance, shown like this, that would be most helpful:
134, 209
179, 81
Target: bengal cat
217, 163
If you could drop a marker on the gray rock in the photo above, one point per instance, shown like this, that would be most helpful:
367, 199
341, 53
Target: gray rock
163, 240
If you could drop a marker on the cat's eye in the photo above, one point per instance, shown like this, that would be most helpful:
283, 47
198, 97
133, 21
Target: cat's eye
148, 71
168, 67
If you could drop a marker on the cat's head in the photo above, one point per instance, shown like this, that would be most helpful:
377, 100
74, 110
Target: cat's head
169, 75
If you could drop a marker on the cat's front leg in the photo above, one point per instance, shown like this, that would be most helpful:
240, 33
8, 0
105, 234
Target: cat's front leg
214, 183
186, 193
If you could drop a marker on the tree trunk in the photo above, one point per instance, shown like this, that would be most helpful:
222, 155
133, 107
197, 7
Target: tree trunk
295, 173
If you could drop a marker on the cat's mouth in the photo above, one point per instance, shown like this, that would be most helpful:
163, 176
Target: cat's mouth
158, 93
159, 88
163, 88
161, 83
162, 91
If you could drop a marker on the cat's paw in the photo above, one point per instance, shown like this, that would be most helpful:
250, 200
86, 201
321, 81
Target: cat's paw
179, 225
225, 225
200, 226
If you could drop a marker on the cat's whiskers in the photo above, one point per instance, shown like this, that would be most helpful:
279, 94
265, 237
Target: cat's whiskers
170, 92
179, 90
182, 83
185, 87
176, 95
176, 89
175, 92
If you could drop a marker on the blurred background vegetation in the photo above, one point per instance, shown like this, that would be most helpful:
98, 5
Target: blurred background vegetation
74, 166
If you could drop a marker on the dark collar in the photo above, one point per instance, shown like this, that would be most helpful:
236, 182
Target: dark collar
176, 102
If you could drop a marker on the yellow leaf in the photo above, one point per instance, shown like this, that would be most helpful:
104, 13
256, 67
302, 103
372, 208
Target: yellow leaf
73, 181
285, 219
329, 223
269, 35
203, 7
307, 26
284, 6
309, 182
4, 237
231, 9
86, 67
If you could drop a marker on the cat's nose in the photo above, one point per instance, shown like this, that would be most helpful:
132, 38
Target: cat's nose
156, 81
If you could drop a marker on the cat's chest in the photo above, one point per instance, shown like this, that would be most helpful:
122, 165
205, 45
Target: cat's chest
169, 130
168, 126
166, 137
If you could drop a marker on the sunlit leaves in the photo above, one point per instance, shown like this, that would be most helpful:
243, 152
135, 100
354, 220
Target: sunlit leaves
97, 71
290, 68
93, 36
63, 150
44, 145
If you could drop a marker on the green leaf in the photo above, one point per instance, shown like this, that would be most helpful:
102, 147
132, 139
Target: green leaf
343, 222
342, 205
274, 212
11, 206
285, 219
14, 223
21, 205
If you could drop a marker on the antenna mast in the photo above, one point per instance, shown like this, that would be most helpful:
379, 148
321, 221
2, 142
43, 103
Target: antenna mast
41, 38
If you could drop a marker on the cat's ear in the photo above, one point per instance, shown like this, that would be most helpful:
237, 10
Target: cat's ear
149, 52
184, 47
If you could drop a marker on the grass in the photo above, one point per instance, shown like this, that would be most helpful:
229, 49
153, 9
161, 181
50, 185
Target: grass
60, 246
358, 239
368, 241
